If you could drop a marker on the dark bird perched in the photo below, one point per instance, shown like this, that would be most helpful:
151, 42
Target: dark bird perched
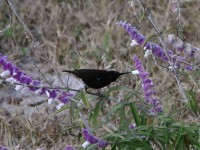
96, 79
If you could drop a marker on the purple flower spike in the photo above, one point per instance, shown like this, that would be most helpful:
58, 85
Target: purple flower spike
189, 68
69, 147
93, 139
64, 98
3, 60
7, 65
186, 48
148, 88
34, 83
150, 47
3, 148
52, 94
132, 126
26, 84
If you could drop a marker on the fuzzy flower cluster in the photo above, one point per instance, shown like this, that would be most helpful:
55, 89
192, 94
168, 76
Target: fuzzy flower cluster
91, 139
176, 10
175, 7
69, 147
148, 87
185, 48
151, 48
25, 83
132, 126
3, 148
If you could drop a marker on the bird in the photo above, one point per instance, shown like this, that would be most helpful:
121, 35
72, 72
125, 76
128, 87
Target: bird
95, 78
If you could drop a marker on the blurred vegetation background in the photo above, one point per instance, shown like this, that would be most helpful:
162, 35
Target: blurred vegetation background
69, 34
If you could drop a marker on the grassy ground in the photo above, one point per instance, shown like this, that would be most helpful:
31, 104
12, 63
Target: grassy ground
79, 34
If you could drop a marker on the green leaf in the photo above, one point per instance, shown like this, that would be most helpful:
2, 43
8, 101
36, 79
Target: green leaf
112, 136
129, 95
193, 104
149, 38
193, 140
76, 97
62, 108
180, 144
8, 33
179, 141
135, 114
143, 120
123, 122
106, 42
118, 88
72, 109
166, 135
114, 109
96, 111
24, 50
84, 99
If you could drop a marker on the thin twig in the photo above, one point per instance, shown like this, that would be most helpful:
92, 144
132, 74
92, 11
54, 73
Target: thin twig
150, 18
34, 41
52, 88
10, 20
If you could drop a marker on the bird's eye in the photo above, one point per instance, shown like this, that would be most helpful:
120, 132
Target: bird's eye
98, 78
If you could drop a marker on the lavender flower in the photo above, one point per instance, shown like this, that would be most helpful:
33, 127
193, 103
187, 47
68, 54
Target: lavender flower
150, 48
3, 148
185, 48
175, 7
91, 139
69, 147
148, 87
132, 126
41, 148
25, 83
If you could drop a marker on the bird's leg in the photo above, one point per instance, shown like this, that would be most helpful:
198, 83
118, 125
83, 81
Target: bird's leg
99, 92
86, 88
106, 97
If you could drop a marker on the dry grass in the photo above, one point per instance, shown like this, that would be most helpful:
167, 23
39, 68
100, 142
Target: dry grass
73, 34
